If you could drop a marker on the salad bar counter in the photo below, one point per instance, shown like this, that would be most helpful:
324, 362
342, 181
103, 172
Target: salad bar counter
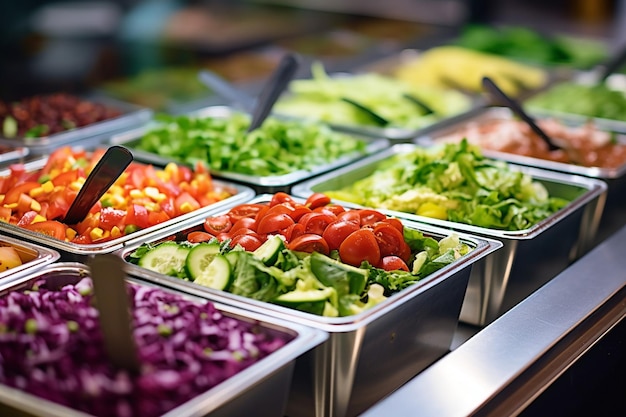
389, 241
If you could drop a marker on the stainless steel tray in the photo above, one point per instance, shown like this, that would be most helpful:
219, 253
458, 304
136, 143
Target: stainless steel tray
529, 257
369, 354
491, 114
77, 252
12, 153
261, 389
131, 116
33, 257
266, 184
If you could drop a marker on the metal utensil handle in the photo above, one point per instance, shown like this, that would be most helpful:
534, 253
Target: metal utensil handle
377, 118
273, 89
109, 284
613, 64
495, 91
105, 173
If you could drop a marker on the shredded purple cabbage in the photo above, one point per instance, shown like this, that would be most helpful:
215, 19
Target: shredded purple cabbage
51, 346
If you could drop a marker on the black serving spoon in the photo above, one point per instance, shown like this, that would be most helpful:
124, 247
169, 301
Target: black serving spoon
377, 118
419, 103
613, 64
100, 179
279, 79
500, 96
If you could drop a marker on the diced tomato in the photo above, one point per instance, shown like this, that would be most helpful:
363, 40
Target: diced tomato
57, 158
27, 218
13, 195
138, 215
199, 236
65, 178
5, 214
393, 263
185, 203
110, 217
49, 227
157, 217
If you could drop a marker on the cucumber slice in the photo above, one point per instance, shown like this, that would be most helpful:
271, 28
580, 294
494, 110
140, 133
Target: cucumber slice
200, 257
269, 250
217, 274
167, 258
311, 301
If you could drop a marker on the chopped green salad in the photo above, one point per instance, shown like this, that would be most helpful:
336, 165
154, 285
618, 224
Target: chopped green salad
456, 183
310, 282
320, 98
278, 147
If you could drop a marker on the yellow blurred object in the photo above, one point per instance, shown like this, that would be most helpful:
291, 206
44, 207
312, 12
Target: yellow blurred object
433, 210
9, 258
453, 66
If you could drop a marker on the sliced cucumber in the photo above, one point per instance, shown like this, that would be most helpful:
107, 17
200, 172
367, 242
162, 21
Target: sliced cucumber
346, 279
311, 301
167, 258
269, 250
200, 257
217, 275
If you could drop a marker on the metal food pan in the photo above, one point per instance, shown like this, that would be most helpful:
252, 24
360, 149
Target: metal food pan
131, 117
33, 257
529, 257
261, 389
77, 252
269, 184
369, 354
12, 153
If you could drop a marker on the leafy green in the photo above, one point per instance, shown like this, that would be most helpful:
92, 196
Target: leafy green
468, 187
278, 147
321, 285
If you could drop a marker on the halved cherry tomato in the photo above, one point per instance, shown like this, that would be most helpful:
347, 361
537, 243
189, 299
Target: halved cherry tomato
316, 222
393, 263
360, 246
274, 223
395, 222
336, 232
217, 224
244, 210
199, 236
248, 242
298, 211
391, 241
370, 216
316, 200
281, 197
333, 209
350, 216
279, 209
292, 231
48, 227
245, 222
245, 231
309, 242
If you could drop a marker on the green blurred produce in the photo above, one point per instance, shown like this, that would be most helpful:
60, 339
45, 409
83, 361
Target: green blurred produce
587, 100
528, 45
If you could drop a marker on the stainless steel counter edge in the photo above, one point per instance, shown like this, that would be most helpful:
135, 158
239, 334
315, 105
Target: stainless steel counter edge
502, 368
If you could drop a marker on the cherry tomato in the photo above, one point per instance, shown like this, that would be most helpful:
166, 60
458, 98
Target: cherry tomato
274, 223
280, 198
244, 210
279, 209
248, 242
336, 232
245, 222
298, 211
245, 231
224, 236
370, 216
292, 231
333, 209
360, 246
217, 224
199, 236
391, 241
316, 222
393, 263
316, 200
350, 216
309, 242
395, 222
48, 227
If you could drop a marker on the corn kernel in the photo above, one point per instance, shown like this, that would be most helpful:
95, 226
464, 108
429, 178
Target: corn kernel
150, 206
35, 206
186, 207
136, 193
116, 232
96, 233
48, 186
39, 218
76, 185
70, 233
36, 192
151, 192
11, 206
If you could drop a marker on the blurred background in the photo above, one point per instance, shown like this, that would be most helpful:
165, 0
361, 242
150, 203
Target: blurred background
99, 45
